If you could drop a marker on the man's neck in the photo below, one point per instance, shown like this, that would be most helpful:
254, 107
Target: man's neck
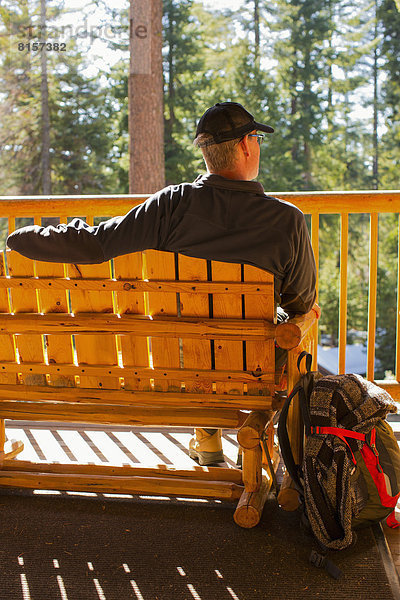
237, 174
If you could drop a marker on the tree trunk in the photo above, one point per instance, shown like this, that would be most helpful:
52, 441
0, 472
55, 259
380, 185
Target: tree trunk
257, 33
44, 91
330, 109
170, 100
146, 125
375, 164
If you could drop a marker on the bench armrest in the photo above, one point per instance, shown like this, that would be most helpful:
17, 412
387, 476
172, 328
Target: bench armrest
288, 335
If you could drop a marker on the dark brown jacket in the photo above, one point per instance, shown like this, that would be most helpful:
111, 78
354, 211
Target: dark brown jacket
213, 218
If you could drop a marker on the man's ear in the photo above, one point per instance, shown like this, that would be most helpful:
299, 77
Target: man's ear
244, 144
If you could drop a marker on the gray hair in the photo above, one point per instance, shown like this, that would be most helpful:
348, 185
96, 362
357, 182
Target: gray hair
217, 156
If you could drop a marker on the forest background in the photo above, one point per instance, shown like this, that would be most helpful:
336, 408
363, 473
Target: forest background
324, 73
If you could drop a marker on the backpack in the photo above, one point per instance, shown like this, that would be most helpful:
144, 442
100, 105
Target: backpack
350, 473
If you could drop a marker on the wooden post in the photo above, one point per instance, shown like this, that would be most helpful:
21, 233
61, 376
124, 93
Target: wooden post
249, 434
250, 506
294, 415
2, 434
252, 468
249, 509
288, 497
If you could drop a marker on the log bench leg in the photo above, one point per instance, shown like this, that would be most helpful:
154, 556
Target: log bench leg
288, 497
9, 448
2, 434
249, 509
256, 486
252, 468
249, 438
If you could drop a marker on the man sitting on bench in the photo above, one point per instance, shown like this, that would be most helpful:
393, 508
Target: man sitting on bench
223, 215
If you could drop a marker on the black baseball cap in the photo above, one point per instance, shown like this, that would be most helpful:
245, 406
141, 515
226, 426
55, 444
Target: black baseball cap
227, 121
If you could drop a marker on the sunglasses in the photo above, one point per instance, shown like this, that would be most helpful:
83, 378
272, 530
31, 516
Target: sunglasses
259, 136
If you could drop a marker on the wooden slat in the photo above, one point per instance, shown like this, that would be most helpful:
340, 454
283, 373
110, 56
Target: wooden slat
23, 393
260, 356
59, 347
94, 349
127, 485
161, 471
196, 353
228, 354
7, 349
159, 326
134, 349
372, 289
122, 415
165, 352
30, 347
344, 249
129, 372
131, 286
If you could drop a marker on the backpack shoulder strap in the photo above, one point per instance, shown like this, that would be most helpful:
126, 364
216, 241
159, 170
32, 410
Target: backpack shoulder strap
302, 389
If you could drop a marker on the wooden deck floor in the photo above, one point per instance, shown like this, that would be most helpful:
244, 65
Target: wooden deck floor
122, 445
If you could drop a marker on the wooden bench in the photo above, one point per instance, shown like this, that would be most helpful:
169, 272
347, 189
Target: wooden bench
147, 339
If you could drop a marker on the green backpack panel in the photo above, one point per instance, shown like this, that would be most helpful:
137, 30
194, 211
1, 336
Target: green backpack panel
370, 506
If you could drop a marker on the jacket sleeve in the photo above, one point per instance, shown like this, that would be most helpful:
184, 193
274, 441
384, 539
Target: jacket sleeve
298, 287
145, 226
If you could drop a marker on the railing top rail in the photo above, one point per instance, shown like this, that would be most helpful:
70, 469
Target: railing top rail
364, 201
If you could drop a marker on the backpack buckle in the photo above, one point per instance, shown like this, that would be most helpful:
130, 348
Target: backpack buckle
315, 430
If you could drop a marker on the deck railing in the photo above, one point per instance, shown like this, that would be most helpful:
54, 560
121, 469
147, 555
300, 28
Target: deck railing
312, 203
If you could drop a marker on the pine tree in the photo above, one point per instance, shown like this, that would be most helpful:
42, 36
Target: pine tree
301, 69
390, 147
77, 115
20, 106
44, 101
185, 88
146, 127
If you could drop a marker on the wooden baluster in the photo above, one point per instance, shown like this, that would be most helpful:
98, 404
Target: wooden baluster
344, 249
398, 310
315, 247
373, 282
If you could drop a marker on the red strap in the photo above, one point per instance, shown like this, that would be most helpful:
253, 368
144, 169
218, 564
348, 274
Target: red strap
342, 434
371, 459
391, 521
339, 432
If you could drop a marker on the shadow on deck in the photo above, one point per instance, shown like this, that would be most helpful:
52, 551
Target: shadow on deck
103, 546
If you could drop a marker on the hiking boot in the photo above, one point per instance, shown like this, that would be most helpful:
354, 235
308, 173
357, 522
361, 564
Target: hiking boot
206, 447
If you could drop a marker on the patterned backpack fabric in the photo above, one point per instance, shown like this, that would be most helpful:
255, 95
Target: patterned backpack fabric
350, 474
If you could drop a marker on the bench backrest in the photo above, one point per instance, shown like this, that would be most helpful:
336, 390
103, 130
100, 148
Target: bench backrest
150, 321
